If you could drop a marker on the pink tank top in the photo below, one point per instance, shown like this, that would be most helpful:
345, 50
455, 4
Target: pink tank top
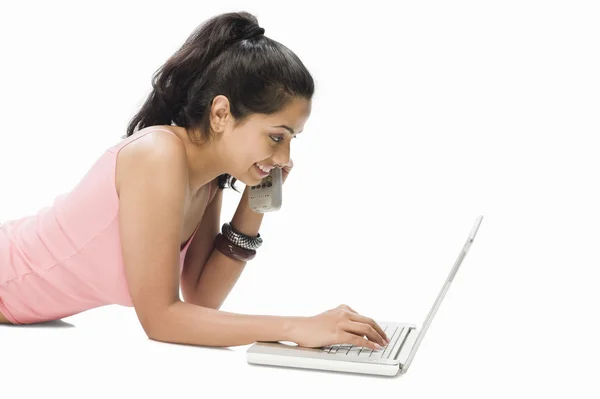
66, 258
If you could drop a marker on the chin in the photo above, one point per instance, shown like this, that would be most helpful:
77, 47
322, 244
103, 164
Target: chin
252, 181
248, 179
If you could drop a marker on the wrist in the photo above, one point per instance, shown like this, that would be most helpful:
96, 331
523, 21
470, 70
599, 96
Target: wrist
290, 326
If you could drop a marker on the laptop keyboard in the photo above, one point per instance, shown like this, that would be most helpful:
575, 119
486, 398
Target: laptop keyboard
395, 333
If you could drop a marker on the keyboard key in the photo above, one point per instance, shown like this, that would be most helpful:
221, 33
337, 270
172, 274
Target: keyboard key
393, 340
391, 332
365, 352
343, 351
398, 342
355, 350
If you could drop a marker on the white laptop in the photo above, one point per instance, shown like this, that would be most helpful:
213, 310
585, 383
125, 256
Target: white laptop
393, 359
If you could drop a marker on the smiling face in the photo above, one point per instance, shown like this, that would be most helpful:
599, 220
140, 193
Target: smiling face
261, 141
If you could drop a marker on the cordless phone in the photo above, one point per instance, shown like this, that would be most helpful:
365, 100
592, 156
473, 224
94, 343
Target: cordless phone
267, 195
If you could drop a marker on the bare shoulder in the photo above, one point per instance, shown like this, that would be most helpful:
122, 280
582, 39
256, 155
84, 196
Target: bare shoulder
157, 149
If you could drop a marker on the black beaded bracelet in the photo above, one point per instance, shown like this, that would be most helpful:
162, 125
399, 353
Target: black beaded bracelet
240, 239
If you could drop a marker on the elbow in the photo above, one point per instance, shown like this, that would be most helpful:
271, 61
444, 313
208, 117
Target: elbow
156, 324
152, 328
157, 335
153, 332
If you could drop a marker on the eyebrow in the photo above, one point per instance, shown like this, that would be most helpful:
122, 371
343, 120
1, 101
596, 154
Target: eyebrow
289, 129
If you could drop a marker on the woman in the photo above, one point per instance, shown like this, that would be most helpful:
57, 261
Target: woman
146, 216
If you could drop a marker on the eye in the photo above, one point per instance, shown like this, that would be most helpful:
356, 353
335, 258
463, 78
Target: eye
276, 139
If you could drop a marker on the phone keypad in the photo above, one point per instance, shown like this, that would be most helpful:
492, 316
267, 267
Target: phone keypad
266, 182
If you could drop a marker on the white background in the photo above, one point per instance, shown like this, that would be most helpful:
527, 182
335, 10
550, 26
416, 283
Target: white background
426, 115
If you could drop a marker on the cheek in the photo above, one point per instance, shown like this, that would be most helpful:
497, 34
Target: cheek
251, 145
256, 149
249, 151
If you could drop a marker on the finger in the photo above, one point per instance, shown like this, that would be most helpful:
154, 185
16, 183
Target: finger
363, 329
288, 167
366, 320
358, 341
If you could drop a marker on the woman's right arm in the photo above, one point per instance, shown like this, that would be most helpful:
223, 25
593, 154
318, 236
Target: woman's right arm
152, 188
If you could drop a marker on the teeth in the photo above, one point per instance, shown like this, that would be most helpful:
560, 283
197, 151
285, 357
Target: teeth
263, 168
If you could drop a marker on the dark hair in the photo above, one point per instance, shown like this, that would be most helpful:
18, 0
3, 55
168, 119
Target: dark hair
226, 55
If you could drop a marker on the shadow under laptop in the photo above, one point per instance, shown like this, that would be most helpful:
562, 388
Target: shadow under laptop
319, 371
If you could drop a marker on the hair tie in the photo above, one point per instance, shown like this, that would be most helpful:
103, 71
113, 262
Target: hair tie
254, 32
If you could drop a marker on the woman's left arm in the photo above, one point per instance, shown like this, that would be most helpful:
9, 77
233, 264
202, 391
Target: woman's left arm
218, 273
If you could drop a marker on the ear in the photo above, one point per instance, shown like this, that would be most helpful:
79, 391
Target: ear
220, 113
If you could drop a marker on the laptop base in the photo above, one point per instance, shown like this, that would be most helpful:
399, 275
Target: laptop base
284, 355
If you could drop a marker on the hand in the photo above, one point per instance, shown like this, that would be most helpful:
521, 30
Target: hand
286, 170
341, 325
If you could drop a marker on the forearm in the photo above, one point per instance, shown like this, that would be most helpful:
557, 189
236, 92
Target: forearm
245, 220
220, 273
219, 276
190, 324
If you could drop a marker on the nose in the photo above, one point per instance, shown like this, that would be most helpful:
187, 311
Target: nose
281, 157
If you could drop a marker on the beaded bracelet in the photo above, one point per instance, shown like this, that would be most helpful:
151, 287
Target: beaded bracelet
233, 251
240, 239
